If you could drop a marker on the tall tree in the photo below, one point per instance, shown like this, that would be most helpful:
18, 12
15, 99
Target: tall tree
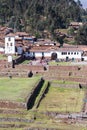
81, 37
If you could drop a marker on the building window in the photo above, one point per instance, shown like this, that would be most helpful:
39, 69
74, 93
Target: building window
74, 53
11, 44
64, 53
42, 53
68, 53
7, 44
77, 53
71, 53
33, 53
9, 39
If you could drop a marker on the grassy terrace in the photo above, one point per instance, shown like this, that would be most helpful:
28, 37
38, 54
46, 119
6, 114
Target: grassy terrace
3, 57
16, 89
52, 63
57, 99
62, 99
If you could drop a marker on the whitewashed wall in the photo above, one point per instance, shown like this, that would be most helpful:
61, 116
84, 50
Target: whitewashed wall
73, 54
70, 56
2, 49
39, 54
85, 58
47, 54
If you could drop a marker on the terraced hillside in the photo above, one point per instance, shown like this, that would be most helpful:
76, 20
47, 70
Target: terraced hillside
16, 95
51, 107
58, 102
67, 73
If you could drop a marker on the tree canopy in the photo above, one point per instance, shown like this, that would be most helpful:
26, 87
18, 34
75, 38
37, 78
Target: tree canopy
39, 15
81, 37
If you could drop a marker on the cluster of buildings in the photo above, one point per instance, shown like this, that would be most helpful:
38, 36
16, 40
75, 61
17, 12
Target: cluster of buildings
21, 43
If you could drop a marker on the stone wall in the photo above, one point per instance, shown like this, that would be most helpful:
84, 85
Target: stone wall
63, 68
12, 105
34, 93
35, 68
18, 60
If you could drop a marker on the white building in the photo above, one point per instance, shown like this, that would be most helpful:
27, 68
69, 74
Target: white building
2, 50
44, 51
69, 53
60, 53
9, 45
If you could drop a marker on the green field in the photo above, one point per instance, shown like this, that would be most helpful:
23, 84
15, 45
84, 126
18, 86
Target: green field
16, 89
62, 99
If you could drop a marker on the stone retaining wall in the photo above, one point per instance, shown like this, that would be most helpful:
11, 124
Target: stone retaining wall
12, 105
18, 60
63, 68
37, 68
66, 85
32, 96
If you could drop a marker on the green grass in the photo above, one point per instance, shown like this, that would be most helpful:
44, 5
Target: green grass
16, 89
59, 63
26, 62
3, 57
63, 100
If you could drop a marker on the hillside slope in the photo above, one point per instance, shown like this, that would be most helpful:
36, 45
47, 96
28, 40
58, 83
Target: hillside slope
38, 15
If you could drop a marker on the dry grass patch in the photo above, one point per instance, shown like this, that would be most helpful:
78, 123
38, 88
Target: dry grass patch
63, 100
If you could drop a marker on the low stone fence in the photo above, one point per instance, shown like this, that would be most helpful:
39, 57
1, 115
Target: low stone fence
65, 85
14, 74
12, 105
74, 79
64, 68
35, 68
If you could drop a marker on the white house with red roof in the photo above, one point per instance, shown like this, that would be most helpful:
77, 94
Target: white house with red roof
61, 53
